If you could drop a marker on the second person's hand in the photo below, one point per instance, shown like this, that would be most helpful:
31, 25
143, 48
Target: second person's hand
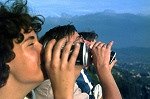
61, 70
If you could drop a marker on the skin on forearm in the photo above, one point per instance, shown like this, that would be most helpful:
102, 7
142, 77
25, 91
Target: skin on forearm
109, 86
64, 92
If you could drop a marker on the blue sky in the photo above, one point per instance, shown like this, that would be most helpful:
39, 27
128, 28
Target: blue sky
81, 7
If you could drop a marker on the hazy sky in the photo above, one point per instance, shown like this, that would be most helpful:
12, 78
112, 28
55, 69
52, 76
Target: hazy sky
81, 7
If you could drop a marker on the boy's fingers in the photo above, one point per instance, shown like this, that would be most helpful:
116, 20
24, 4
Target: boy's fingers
57, 50
109, 45
74, 54
66, 52
48, 52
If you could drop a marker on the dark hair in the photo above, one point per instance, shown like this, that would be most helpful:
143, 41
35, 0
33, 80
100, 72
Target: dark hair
13, 18
58, 32
90, 36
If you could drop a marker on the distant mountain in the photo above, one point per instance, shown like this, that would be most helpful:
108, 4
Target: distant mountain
133, 55
125, 29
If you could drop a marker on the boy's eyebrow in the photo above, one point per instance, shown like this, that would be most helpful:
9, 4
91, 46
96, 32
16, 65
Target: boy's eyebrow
29, 38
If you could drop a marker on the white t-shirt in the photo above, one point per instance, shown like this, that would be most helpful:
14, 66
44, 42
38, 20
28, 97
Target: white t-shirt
44, 91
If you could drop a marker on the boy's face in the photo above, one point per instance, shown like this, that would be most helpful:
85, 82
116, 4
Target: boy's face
25, 67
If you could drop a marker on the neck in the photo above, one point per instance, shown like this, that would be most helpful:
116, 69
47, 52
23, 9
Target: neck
11, 92
15, 90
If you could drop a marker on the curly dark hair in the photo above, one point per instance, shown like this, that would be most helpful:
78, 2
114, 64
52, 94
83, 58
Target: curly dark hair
14, 16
